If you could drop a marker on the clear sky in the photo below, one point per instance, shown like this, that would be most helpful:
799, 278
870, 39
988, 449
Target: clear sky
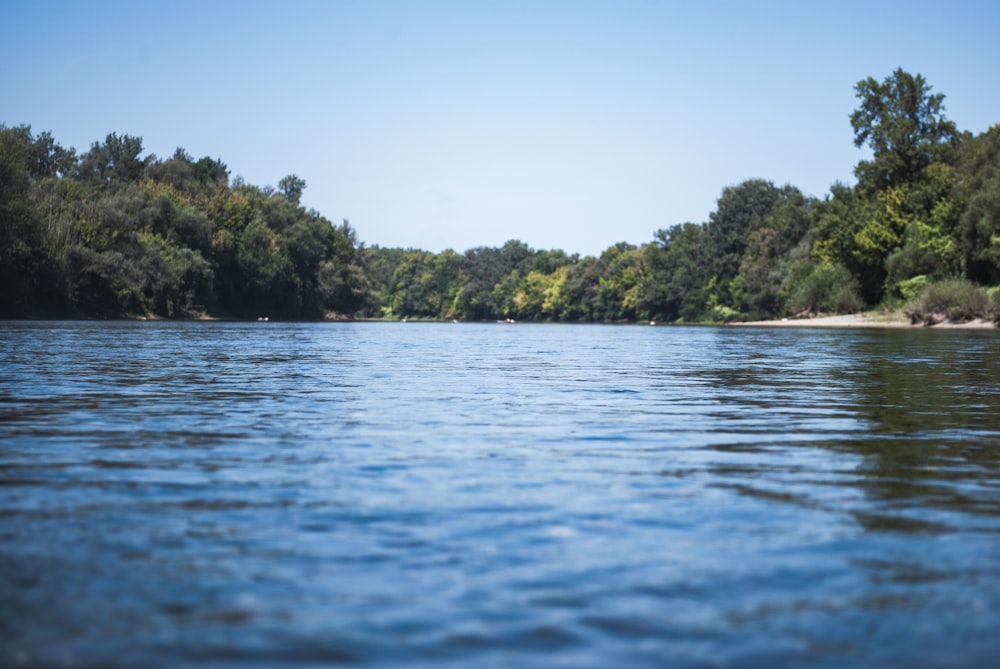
432, 124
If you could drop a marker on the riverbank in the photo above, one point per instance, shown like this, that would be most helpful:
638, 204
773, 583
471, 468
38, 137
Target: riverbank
867, 320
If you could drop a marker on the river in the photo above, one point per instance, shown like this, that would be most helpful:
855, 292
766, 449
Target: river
486, 495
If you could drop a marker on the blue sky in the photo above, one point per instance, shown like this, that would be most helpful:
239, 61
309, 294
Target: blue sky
434, 124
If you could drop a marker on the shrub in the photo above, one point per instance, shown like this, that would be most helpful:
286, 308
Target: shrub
910, 288
827, 289
955, 300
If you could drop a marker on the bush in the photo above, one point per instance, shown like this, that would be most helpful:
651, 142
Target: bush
954, 300
993, 307
910, 288
827, 289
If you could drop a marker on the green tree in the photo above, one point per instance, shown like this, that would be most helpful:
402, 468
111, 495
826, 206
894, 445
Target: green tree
826, 289
977, 203
766, 260
529, 296
577, 296
19, 234
292, 187
211, 172
503, 295
174, 173
928, 245
618, 285
264, 269
48, 159
839, 219
741, 210
488, 282
904, 125
110, 267
676, 271
114, 162
181, 284
355, 293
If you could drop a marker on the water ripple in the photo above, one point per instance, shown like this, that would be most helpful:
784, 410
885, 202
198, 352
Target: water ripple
431, 495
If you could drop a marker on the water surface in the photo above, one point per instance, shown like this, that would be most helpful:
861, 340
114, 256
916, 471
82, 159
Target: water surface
434, 495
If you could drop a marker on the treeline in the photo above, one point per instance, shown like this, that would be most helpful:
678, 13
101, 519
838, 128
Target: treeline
111, 233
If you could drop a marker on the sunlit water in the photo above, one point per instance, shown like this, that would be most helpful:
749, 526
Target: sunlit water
435, 495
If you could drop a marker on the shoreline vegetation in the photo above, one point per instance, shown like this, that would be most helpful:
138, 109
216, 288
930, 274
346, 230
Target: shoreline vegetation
114, 233
868, 320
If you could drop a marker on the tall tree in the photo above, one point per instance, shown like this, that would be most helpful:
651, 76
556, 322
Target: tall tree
977, 198
18, 220
210, 171
676, 273
741, 210
904, 125
292, 187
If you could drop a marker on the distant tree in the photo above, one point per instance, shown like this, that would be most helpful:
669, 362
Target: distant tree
208, 171
484, 268
343, 284
116, 161
548, 262
740, 211
576, 296
264, 268
292, 187
515, 254
18, 221
174, 171
48, 159
529, 296
621, 269
676, 271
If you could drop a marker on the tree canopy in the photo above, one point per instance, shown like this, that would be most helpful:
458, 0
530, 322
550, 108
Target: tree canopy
904, 125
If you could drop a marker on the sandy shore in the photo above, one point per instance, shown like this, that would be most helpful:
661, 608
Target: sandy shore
865, 321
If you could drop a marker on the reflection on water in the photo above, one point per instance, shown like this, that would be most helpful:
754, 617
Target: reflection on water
475, 495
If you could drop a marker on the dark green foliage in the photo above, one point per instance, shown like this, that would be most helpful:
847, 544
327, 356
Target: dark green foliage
827, 289
735, 265
977, 203
621, 270
209, 172
759, 288
741, 210
19, 239
117, 234
292, 187
425, 285
114, 163
922, 204
954, 300
675, 274
905, 127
